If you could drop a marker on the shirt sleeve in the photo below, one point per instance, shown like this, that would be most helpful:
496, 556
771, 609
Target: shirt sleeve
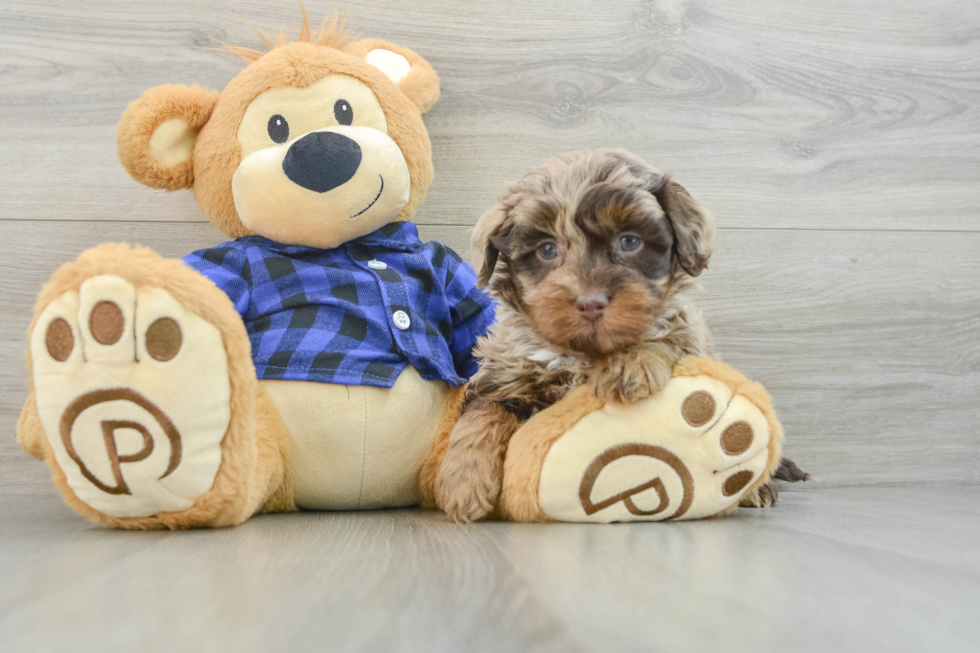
227, 266
472, 311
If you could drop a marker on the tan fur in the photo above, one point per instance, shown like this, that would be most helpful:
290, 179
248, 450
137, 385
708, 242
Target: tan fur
253, 474
541, 348
755, 393
30, 433
471, 473
429, 476
632, 373
301, 63
528, 449
250, 464
192, 104
530, 445
272, 460
421, 84
537, 321
331, 33
551, 312
218, 152
359, 447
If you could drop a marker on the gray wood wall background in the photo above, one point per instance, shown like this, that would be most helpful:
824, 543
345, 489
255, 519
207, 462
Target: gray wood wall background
837, 142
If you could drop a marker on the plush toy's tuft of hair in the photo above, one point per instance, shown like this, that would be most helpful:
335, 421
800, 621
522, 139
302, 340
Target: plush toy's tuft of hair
332, 33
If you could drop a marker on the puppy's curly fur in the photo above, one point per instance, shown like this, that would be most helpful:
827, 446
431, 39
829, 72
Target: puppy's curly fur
592, 259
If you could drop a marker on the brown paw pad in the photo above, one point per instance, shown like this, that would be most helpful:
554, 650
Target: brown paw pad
106, 322
698, 408
734, 483
737, 438
59, 340
163, 339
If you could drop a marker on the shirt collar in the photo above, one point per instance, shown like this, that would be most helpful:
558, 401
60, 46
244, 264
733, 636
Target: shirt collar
402, 236
399, 236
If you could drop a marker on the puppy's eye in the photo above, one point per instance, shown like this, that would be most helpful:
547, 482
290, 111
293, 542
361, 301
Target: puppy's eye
629, 243
548, 251
278, 129
342, 112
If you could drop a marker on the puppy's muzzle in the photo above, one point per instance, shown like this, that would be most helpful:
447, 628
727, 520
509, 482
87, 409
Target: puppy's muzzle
322, 161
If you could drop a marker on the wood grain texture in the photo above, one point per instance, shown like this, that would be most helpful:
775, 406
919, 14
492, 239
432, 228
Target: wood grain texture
863, 569
776, 113
837, 143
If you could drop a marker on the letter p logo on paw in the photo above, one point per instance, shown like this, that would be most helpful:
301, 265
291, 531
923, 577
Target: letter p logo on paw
690, 451
109, 429
133, 393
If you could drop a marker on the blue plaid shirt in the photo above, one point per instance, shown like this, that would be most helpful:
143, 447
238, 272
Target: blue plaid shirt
339, 315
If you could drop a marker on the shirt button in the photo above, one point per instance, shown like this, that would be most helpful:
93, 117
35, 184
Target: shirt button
375, 264
402, 321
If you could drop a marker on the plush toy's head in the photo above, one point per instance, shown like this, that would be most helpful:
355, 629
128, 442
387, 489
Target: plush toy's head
316, 142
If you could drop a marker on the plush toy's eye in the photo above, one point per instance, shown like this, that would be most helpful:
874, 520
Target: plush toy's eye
342, 112
629, 243
548, 251
278, 129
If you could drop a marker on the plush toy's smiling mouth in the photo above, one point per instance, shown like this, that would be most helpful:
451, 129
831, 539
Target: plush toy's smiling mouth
310, 192
374, 201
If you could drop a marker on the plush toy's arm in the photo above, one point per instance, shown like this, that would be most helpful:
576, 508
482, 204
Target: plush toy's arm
228, 267
472, 312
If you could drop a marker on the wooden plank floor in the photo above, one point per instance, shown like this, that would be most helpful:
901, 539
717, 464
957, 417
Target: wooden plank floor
837, 142
851, 569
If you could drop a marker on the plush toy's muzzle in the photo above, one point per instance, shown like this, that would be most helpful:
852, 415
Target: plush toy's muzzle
323, 188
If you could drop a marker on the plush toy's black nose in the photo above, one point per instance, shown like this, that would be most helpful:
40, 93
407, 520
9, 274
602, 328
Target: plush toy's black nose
321, 161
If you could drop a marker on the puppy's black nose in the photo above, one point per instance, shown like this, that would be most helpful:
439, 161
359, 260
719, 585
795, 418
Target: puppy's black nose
321, 161
591, 306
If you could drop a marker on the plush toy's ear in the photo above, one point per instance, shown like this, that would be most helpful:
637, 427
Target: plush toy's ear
411, 73
157, 133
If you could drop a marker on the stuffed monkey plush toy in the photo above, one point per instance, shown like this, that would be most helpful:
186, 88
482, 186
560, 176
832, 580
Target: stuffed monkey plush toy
317, 359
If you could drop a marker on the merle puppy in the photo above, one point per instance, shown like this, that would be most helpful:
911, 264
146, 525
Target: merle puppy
592, 259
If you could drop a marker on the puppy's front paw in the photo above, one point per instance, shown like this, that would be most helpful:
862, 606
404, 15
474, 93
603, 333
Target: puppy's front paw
468, 489
629, 377
763, 496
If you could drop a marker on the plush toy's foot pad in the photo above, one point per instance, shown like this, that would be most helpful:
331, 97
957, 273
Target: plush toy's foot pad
689, 452
133, 394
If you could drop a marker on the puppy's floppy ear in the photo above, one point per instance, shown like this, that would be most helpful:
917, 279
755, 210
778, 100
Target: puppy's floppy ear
157, 133
694, 226
411, 73
489, 238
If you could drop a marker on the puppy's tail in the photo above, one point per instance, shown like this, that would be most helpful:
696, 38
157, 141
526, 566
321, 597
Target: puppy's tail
788, 471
